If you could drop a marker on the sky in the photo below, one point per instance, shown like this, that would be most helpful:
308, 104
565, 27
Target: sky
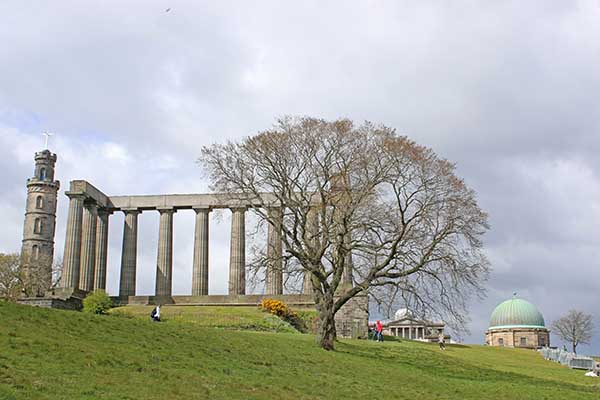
509, 91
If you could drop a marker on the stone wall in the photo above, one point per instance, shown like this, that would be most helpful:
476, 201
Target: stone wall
512, 337
73, 303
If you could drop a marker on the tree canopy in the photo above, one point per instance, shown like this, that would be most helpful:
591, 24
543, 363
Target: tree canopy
361, 208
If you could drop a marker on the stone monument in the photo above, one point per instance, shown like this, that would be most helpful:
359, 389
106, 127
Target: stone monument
37, 251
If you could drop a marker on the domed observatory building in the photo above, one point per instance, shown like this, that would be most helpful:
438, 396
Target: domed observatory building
517, 323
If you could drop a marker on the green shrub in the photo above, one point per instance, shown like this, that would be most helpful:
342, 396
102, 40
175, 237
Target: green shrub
97, 302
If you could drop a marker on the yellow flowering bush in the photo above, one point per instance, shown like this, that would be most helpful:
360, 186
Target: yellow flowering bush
279, 308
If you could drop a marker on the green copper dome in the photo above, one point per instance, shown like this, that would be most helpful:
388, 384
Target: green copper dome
516, 313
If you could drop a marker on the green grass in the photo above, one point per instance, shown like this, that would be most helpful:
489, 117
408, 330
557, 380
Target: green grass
52, 354
233, 318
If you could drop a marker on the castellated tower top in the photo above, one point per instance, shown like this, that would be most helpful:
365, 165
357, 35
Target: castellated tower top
44, 168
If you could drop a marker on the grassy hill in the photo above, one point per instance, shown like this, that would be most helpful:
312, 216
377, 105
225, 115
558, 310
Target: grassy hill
52, 354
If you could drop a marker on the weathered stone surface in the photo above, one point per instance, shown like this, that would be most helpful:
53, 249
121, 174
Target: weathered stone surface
72, 304
352, 320
72, 254
101, 249
237, 255
164, 262
294, 300
37, 250
129, 254
88, 247
200, 267
274, 251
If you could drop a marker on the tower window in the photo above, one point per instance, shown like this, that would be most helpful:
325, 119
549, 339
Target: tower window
38, 225
523, 342
43, 174
39, 202
35, 252
500, 342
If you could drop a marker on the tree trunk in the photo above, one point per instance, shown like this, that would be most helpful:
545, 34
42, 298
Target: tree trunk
574, 346
326, 333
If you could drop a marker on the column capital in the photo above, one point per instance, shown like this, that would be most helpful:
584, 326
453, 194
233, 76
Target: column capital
199, 209
76, 195
166, 210
238, 208
131, 210
104, 211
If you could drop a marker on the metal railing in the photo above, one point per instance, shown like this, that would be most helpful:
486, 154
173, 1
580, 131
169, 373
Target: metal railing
569, 359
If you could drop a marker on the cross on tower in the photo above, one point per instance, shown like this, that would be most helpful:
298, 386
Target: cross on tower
47, 137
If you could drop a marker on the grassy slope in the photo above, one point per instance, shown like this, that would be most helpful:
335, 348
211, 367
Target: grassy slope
240, 318
51, 354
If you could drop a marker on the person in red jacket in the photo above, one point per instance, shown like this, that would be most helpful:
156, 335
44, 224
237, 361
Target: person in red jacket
379, 330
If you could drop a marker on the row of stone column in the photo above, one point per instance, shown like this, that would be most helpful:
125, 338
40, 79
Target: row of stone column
86, 245
410, 332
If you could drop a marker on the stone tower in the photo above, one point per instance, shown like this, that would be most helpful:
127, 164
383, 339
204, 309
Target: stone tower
37, 252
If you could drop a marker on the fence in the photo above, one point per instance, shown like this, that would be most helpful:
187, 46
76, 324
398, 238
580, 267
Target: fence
571, 360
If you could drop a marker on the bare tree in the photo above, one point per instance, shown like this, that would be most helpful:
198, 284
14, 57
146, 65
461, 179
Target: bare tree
361, 208
576, 327
10, 283
39, 276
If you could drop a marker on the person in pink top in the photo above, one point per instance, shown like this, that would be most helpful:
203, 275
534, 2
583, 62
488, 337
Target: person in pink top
379, 330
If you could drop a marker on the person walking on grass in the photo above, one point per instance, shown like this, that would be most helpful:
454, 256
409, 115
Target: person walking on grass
442, 340
379, 330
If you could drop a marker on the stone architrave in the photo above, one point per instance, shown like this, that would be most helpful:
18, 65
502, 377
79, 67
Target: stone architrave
200, 268
129, 253
164, 262
274, 252
72, 254
88, 247
237, 255
101, 249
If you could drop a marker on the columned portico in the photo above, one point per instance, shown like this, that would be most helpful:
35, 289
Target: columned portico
164, 262
237, 255
72, 254
200, 267
129, 253
274, 250
88, 247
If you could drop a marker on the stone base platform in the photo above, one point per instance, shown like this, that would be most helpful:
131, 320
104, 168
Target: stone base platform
293, 300
64, 299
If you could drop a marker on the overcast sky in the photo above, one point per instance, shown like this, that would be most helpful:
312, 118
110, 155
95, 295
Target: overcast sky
509, 92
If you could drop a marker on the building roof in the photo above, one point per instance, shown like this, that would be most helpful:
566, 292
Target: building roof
516, 313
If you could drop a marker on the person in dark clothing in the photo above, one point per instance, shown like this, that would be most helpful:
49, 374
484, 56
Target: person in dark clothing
155, 314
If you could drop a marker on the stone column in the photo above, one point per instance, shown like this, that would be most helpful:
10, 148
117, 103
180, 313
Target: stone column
88, 247
164, 262
237, 255
200, 268
101, 249
274, 250
312, 231
129, 253
72, 254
